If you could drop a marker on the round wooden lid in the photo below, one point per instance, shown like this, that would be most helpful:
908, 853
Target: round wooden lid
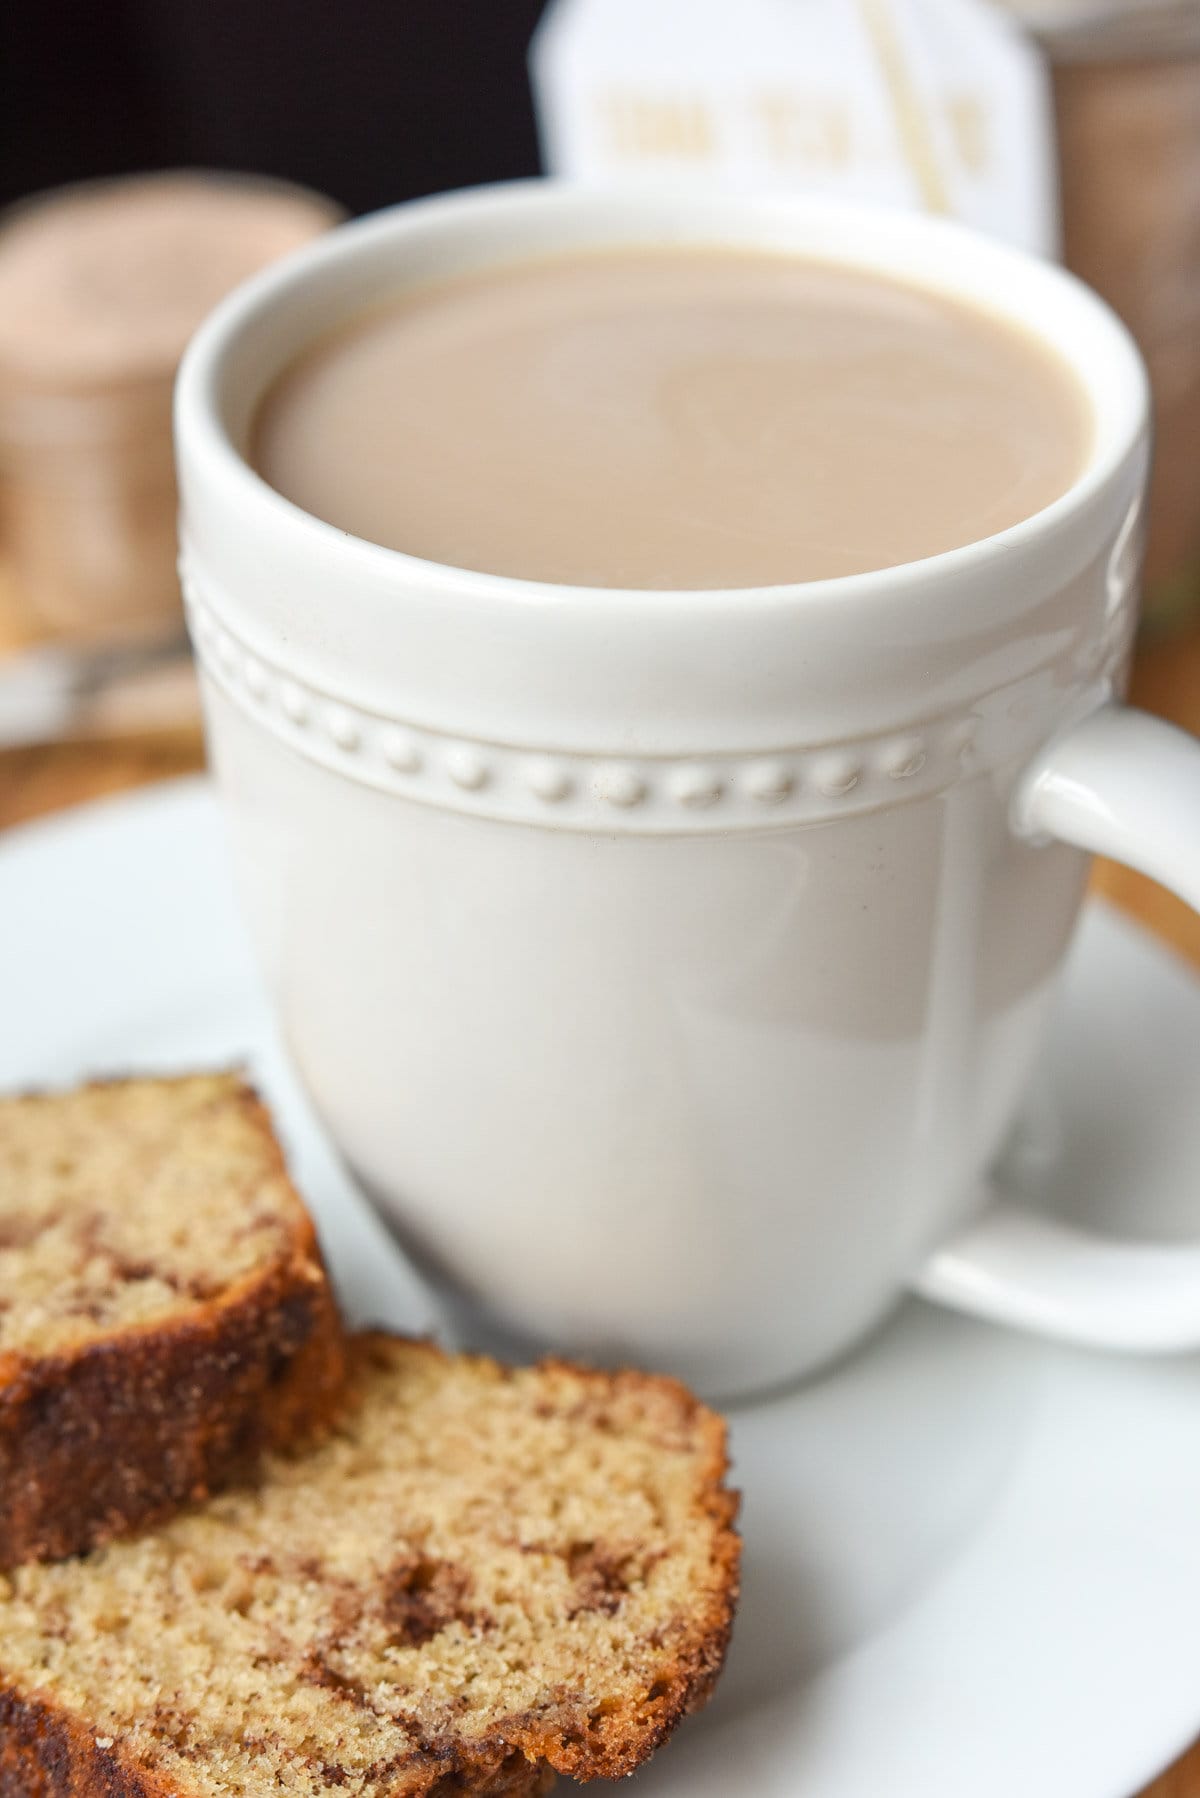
104, 282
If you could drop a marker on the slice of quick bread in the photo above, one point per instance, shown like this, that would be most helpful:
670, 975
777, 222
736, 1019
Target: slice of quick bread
164, 1312
481, 1577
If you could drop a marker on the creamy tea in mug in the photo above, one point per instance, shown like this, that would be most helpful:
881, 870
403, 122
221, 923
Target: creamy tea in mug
685, 417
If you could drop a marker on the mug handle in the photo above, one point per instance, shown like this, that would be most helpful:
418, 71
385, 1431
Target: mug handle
1126, 785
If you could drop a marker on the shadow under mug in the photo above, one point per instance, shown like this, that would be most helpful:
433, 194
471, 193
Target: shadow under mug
669, 966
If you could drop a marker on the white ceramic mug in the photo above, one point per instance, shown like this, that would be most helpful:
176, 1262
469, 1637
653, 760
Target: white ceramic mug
669, 966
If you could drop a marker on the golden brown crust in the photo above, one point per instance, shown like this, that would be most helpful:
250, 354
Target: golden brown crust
119, 1433
45, 1752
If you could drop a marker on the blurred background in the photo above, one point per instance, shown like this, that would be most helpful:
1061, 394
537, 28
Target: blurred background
324, 109
370, 101
362, 104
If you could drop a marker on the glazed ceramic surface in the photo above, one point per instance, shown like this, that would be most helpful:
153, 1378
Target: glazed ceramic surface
668, 966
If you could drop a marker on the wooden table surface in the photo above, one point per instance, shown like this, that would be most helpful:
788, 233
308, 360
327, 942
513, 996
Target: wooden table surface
34, 782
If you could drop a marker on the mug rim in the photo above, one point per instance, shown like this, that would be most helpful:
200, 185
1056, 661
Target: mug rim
710, 219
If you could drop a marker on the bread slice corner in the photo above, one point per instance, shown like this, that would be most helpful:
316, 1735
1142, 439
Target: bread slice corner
165, 1315
480, 1578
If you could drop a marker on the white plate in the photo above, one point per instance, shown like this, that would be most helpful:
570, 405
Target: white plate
972, 1561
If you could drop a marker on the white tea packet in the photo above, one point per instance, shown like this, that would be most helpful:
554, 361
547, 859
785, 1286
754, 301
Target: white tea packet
941, 105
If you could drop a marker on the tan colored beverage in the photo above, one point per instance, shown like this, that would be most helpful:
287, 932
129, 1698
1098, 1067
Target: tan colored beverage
674, 418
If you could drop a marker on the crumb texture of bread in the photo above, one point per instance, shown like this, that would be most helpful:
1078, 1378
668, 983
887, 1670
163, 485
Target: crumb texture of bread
482, 1577
120, 1201
164, 1311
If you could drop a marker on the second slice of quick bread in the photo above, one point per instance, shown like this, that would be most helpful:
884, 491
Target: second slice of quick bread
481, 1577
164, 1311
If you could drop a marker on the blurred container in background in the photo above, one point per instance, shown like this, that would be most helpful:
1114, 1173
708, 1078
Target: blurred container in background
101, 285
1127, 98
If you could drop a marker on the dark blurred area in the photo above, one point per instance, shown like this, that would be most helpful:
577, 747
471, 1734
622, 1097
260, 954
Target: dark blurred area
369, 101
